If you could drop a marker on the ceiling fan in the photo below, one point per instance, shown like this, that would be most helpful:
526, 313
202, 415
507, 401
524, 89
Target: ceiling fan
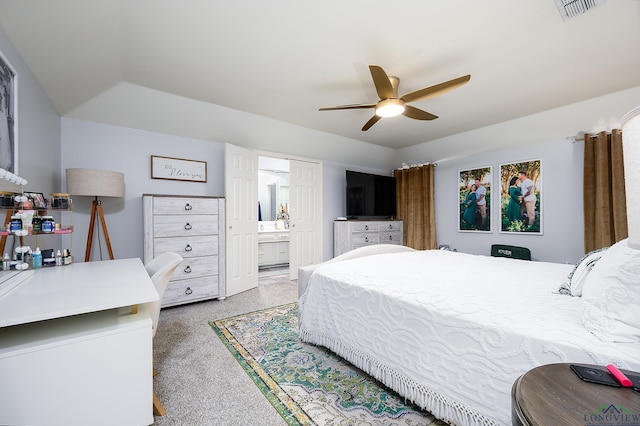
391, 105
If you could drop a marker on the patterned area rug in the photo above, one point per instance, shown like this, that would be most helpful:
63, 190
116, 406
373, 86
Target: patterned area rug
310, 385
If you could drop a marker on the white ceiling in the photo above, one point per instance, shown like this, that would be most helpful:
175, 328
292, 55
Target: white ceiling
284, 59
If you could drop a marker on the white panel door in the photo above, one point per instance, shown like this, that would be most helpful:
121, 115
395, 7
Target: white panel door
305, 230
241, 191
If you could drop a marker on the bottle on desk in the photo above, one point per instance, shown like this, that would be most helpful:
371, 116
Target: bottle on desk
58, 258
6, 262
37, 258
67, 259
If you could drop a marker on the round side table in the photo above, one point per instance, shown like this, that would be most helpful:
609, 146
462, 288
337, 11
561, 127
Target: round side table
554, 395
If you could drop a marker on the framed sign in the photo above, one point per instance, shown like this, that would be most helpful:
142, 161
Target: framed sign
178, 169
474, 200
521, 197
8, 119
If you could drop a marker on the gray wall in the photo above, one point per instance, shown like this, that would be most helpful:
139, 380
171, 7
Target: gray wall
38, 136
540, 136
562, 233
103, 146
38, 127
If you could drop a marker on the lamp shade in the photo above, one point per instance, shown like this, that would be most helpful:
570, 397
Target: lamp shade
631, 151
95, 183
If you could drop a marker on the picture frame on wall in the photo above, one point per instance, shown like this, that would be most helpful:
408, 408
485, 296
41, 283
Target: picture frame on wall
178, 169
8, 116
474, 200
521, 197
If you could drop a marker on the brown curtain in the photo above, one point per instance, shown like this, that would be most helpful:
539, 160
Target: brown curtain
415, 206
605, 212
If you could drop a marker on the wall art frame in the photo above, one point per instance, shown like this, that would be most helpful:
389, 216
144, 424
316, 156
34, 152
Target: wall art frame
474, 200
8, 116
170, 168
521, 198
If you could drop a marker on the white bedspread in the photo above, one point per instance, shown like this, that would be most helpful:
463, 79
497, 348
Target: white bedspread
451, 331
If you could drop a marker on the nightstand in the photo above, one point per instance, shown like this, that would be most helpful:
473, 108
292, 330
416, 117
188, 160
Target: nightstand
554, 395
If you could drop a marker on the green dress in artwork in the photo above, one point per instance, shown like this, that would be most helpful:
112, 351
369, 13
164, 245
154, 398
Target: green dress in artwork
469, 214
513, 208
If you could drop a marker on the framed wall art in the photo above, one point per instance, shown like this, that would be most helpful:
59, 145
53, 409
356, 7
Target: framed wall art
178, 169
474, 199
521, 197
8, 116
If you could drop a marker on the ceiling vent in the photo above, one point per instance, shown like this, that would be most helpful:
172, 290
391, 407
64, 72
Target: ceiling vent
572, 8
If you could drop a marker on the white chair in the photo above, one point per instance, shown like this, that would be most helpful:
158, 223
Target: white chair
160, 269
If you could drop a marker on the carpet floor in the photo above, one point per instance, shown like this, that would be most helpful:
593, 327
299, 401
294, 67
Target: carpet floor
307, 384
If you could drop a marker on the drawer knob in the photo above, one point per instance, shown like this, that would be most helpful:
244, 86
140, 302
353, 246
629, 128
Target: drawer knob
390, 226
188, 248
188, 227
390, 237
188, 207
187, 270
188, 291
366, 239
366, 227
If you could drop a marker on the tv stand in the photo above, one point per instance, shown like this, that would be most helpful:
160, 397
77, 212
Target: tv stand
351, 234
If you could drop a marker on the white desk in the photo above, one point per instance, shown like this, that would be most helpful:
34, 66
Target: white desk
70, 350
61, 291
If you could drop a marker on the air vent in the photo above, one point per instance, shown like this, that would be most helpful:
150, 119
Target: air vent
572, 8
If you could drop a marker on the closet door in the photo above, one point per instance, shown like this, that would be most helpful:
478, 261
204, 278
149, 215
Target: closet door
241, 190
305, 231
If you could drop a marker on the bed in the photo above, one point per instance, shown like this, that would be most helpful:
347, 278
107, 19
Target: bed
451, 332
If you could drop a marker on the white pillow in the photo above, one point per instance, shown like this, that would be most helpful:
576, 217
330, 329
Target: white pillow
576, 279
611, 295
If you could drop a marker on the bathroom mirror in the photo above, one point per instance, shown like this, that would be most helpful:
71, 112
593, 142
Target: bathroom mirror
273, 192
273, 187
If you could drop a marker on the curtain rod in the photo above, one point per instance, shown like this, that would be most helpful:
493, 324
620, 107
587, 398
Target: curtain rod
408, 166
580, 136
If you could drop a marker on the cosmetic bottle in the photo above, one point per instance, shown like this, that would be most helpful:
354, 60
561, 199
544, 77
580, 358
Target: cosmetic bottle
37, 258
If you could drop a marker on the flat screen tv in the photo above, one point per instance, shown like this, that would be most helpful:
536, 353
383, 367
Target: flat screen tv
370, 196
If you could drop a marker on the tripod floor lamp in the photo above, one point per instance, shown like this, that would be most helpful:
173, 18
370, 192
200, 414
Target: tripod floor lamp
95, 183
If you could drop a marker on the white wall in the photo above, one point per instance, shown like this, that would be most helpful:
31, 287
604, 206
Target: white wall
542, 136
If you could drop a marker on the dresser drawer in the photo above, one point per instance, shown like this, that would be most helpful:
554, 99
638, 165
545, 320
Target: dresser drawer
364, 227
187, 246
390, 238
195, 267
185, 205
185, 291
181, 225
391, 226
364, 239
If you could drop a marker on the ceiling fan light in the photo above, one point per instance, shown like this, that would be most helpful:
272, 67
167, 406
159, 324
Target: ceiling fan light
389, 108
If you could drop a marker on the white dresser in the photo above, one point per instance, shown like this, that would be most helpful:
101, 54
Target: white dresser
351, 234
193, 227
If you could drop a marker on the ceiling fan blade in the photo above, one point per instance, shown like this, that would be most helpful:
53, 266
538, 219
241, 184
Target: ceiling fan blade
352, 106
418, 114
373, 120
382, 82
437, 90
